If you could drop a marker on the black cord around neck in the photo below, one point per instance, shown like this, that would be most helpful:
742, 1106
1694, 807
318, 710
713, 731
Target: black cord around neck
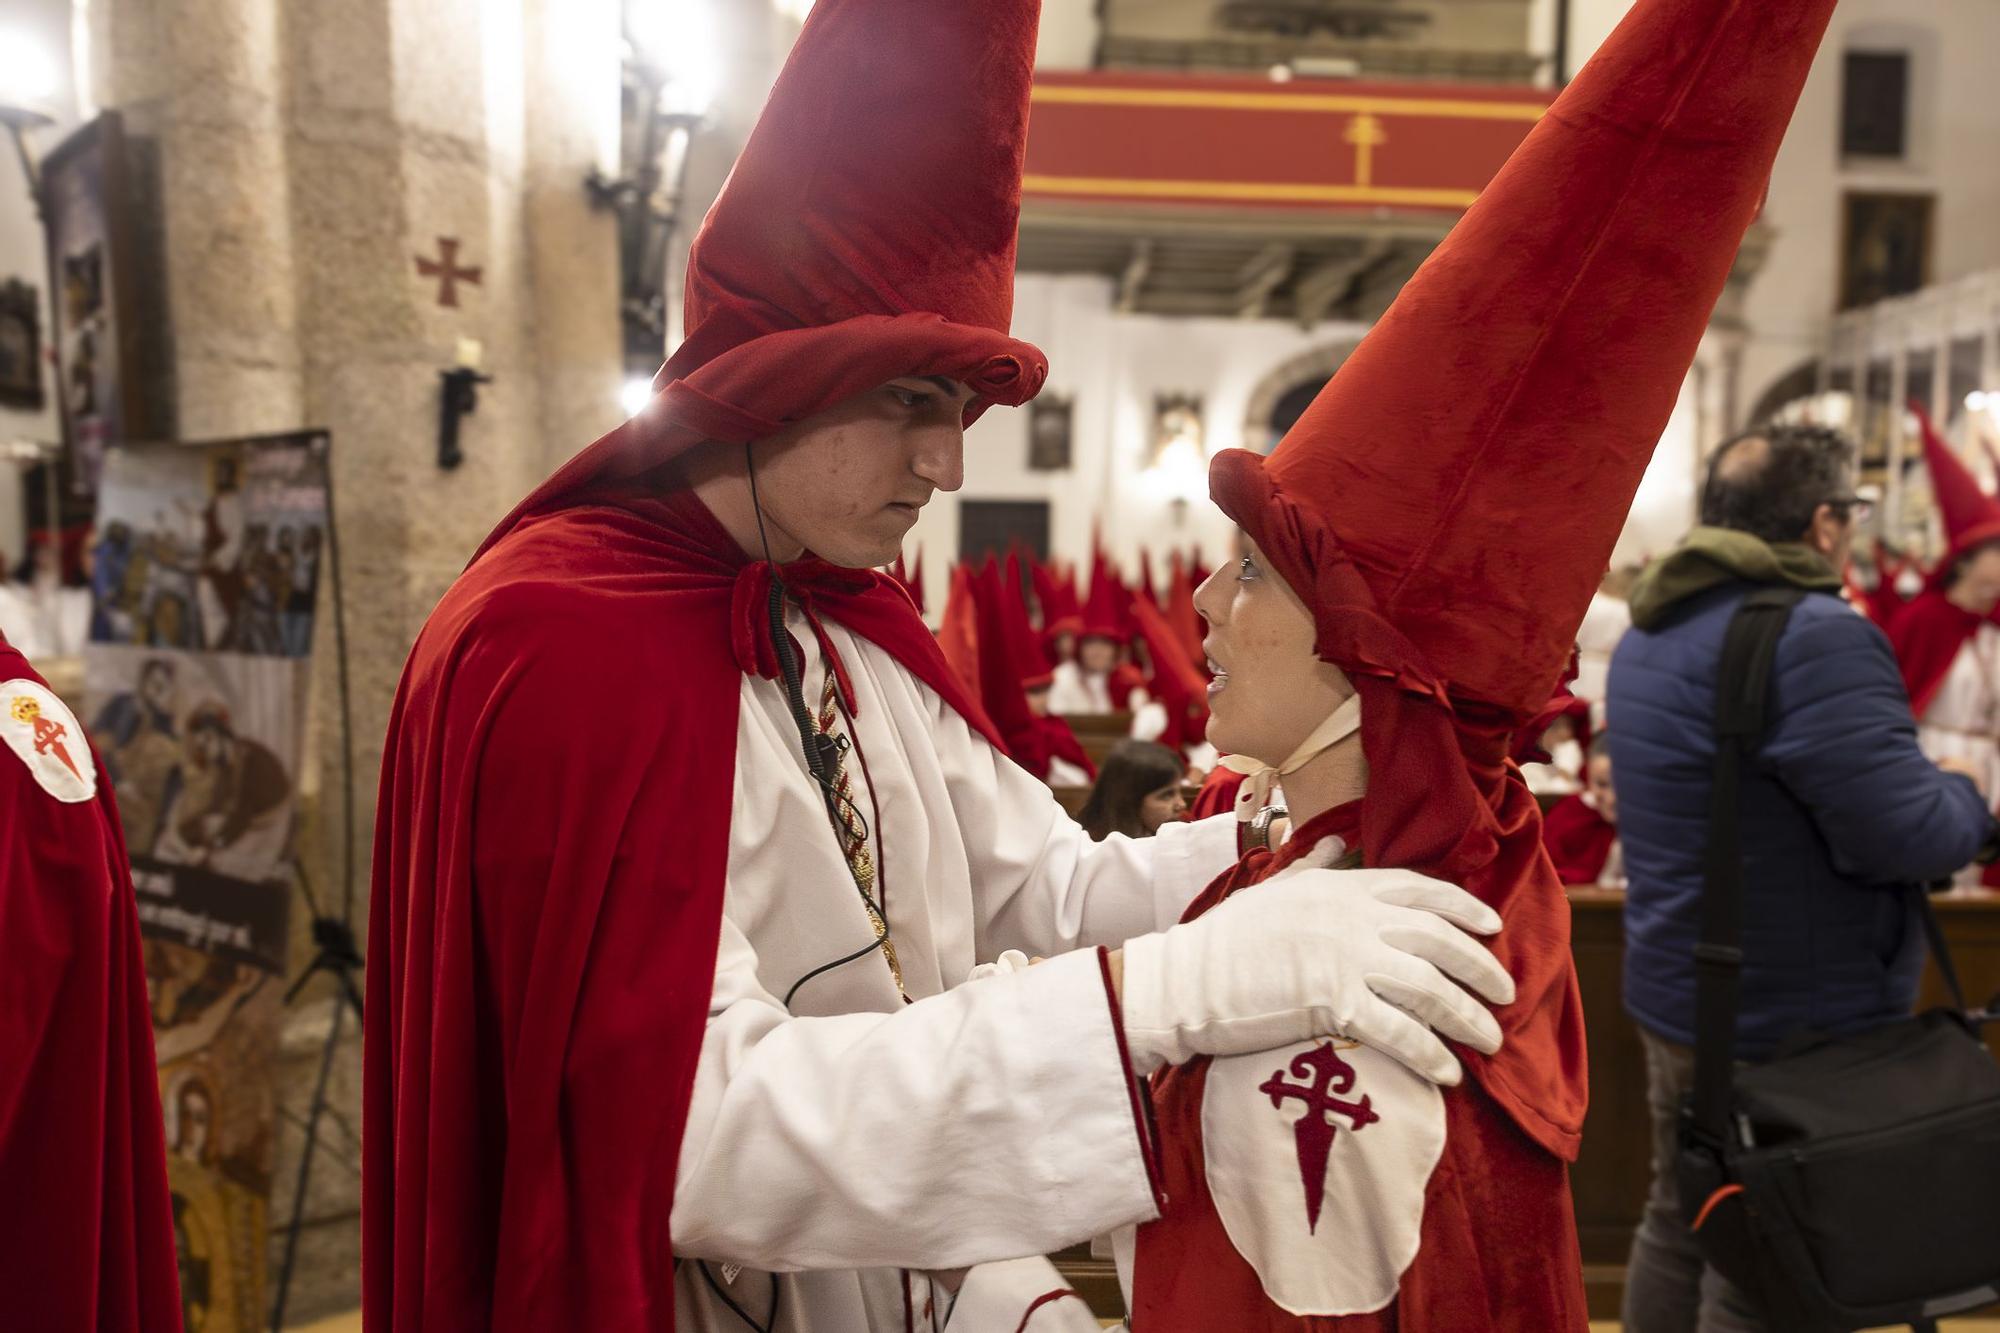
812, 743
776, 1291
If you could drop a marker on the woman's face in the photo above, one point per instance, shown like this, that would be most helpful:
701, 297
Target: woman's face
1162, 807
1270, 691
1979, 578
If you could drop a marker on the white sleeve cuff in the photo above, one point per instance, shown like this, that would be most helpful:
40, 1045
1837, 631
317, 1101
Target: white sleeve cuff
1186, 860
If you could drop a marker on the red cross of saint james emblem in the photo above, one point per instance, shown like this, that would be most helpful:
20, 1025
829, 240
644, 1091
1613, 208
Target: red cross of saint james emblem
1325, 1074
49, 733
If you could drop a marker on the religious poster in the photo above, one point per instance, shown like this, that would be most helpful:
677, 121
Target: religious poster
94, 333
205, 575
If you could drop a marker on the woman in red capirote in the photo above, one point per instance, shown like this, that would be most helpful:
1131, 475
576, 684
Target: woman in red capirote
1400, 615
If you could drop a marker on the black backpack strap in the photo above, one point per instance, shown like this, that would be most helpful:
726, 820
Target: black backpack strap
1934, 937
1742, 693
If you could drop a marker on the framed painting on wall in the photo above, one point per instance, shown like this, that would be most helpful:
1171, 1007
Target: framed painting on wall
20, 347
1885, 247
1049, 422
94, 333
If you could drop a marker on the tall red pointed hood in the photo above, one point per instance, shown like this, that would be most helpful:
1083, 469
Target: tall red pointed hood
1464, 476
867, 232
1024, 647
1107, 612
1448, 503
1971, 516
958, 631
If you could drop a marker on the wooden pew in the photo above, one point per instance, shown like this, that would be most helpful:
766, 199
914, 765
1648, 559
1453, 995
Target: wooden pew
1614, 1167
1099, 733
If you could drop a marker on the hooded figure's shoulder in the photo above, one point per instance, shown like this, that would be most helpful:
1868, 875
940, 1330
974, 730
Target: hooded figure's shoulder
584, 599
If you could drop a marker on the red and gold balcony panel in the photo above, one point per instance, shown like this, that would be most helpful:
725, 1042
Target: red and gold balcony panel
1245, 143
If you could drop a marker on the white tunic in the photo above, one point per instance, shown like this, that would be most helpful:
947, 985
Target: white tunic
1963, 720
1079, 693
854, 1135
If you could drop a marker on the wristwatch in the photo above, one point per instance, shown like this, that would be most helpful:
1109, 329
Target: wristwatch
1259, 835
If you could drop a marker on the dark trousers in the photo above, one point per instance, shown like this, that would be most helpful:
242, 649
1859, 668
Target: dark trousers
1668, 1289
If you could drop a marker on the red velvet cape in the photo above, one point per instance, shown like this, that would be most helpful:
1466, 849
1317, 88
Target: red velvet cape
1498, 1248
1927, 635
548, 883
1578, 840
87, 1230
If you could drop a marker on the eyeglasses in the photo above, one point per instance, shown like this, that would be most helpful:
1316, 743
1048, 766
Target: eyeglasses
1857, 506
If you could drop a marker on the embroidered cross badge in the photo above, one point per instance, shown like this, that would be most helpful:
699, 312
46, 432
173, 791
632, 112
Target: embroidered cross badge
1325, 1074
49, 733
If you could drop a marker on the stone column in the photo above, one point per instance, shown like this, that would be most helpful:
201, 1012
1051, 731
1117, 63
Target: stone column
200, 85
309, 157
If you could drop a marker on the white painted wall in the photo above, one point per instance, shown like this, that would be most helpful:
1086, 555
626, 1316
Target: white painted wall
1069, 34
1112, 365
46, 23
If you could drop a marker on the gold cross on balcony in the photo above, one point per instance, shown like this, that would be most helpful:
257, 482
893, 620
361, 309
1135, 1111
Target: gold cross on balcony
1365, 132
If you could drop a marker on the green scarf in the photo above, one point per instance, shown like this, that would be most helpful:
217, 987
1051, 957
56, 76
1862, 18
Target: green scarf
1709, 557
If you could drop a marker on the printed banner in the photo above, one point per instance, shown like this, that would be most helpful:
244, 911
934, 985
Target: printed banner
204, 576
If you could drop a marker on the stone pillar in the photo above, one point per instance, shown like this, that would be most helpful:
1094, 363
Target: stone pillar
573, 126
201, 87
309, 156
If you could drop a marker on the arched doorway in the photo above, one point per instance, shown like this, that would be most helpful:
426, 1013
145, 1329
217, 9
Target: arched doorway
1283, 395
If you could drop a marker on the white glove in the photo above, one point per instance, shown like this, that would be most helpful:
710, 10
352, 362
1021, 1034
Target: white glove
1375, 956
1009, 962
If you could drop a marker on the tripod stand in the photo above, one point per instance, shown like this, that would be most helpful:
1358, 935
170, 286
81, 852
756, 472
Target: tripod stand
339, 954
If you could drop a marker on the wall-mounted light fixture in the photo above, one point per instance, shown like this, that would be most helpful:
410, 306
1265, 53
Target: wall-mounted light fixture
1177, 464
458, 398
671, 73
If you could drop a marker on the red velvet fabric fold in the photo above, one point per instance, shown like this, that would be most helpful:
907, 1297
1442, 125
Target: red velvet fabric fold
87, 1230
548, 879
1579, 840
1927, 635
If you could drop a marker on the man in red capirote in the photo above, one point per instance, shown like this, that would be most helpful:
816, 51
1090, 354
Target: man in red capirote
1400, 580
648, 1048
86, 1229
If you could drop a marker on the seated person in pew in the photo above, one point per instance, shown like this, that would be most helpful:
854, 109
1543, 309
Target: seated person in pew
1138, 789
1402, 613
1581, 831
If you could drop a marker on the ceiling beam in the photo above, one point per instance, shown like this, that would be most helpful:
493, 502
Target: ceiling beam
1259, 279
1132, 282
1325, 285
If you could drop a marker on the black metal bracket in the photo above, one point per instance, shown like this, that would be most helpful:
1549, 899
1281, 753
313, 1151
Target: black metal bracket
460, 398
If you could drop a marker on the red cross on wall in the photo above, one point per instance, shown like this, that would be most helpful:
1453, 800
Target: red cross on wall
445, 268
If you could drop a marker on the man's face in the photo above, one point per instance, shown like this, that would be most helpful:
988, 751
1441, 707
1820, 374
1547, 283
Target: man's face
1038, 701
1271, 690
211, 747
1097, 655
1601, 792
1832, 530
156, 686
848, 482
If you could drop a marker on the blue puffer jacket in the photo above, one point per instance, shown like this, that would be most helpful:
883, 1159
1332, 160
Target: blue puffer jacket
1839, 811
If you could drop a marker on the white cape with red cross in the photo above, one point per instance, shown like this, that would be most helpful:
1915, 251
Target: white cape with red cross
44, 735
1318, 1158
